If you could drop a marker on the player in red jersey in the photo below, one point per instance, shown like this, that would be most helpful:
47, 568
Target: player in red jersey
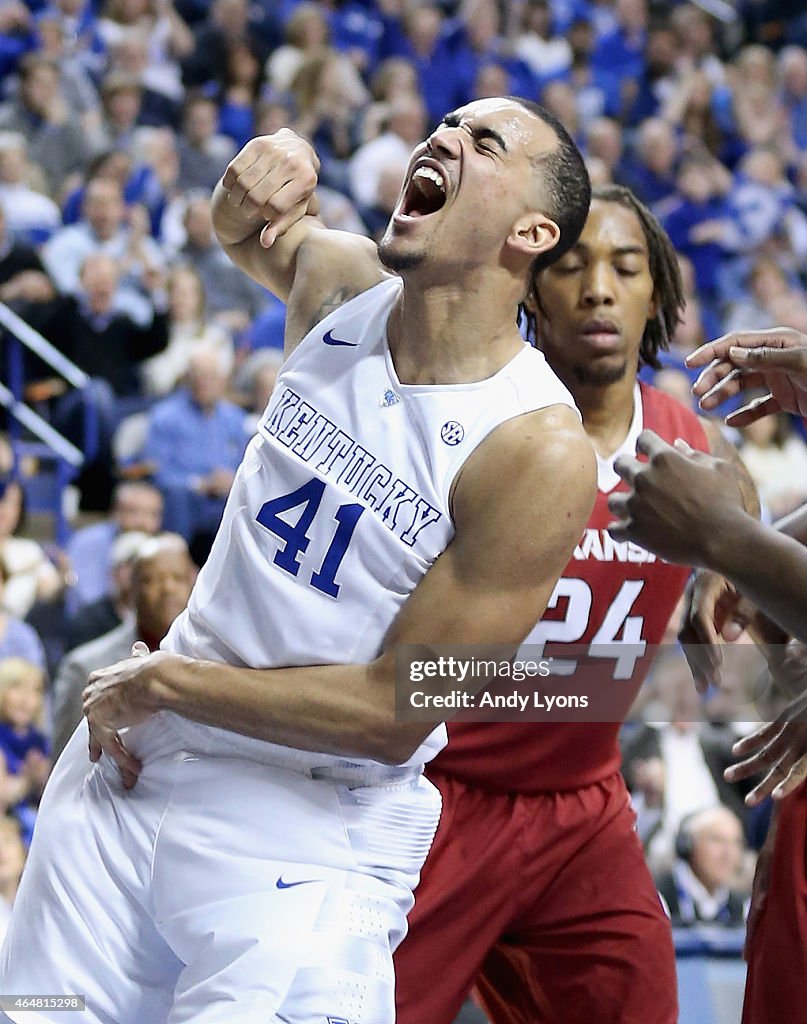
536, 887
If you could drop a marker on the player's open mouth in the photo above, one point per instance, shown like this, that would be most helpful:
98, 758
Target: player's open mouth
425, 192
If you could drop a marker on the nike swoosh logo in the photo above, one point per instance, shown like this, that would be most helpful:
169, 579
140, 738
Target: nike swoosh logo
330, 340
290, 885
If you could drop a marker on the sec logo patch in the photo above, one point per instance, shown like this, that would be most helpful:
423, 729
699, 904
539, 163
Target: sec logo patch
452, 432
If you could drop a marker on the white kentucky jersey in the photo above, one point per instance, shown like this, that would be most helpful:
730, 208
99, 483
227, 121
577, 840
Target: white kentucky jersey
341, 504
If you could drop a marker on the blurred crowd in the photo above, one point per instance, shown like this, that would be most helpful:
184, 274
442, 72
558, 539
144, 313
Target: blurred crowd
117, 117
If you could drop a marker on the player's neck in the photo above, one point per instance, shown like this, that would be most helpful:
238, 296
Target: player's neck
447, 334
607, 411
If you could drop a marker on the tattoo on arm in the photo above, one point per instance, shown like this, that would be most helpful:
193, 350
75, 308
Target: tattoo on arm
332, 302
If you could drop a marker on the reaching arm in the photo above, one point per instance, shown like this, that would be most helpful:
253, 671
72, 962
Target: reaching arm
262, 216
709, 598
515, 530
686, 506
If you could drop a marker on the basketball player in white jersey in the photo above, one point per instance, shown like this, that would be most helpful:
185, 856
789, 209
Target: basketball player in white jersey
245, 846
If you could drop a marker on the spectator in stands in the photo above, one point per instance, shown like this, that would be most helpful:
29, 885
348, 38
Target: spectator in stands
196, 440
544, 52
403, 129
752, 311
77, 24
101, 616
604, 142
696, 219
77, 64
239, 91
621, 52
491, 80
121, 106
560, 99
203, 153
136, 507
56, 140
675, 767
698, 889
161, 194
650, 173
792, 73
329, 99
189, 332
108, 346
88, 328
697, 42
387, 189
17, 638
776, 458
229, 21
481, 41
30, 574
22, 276
596, 87
12, 861
130, 57
24, 747
421, 38
255, 380
230, 298
168, 38
305, 33
113, 164
691, 109
162, 578
30, 215
106, 228
757, 106
762, 207
394, 79
658, 79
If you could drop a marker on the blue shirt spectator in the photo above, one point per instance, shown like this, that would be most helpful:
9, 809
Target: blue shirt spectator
195, 442
137, 506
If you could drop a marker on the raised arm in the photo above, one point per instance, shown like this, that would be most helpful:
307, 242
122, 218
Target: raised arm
687, 507
262, 214
520, 505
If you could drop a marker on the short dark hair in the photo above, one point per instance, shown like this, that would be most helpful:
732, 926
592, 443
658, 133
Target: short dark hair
665, 272
564, 182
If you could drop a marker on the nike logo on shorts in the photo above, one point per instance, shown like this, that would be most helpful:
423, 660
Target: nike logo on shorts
290, 885
329, 339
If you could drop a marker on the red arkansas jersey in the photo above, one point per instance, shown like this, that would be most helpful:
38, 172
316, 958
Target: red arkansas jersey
613, 602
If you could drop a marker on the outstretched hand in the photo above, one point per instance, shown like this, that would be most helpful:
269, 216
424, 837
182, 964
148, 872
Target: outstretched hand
779, 748
679, 503
775, 360
273, 179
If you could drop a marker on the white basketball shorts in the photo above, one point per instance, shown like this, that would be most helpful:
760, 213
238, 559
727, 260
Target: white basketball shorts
218, 890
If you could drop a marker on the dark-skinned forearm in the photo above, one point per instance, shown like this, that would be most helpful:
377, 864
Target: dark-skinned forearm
794, 524
767, 567
337, 709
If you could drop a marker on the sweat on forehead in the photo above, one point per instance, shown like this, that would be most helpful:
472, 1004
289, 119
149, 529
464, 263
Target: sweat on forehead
516, 120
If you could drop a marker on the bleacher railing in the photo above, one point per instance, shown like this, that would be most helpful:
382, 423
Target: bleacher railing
67, 457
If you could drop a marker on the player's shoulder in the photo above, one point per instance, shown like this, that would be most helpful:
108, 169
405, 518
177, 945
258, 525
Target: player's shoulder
333, 267
538, 451
670, 418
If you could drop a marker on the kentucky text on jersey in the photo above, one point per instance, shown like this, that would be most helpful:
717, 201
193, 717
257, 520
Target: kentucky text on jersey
317, 440
600, 546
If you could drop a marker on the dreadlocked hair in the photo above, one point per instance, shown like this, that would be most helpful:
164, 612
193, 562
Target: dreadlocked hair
668, 287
